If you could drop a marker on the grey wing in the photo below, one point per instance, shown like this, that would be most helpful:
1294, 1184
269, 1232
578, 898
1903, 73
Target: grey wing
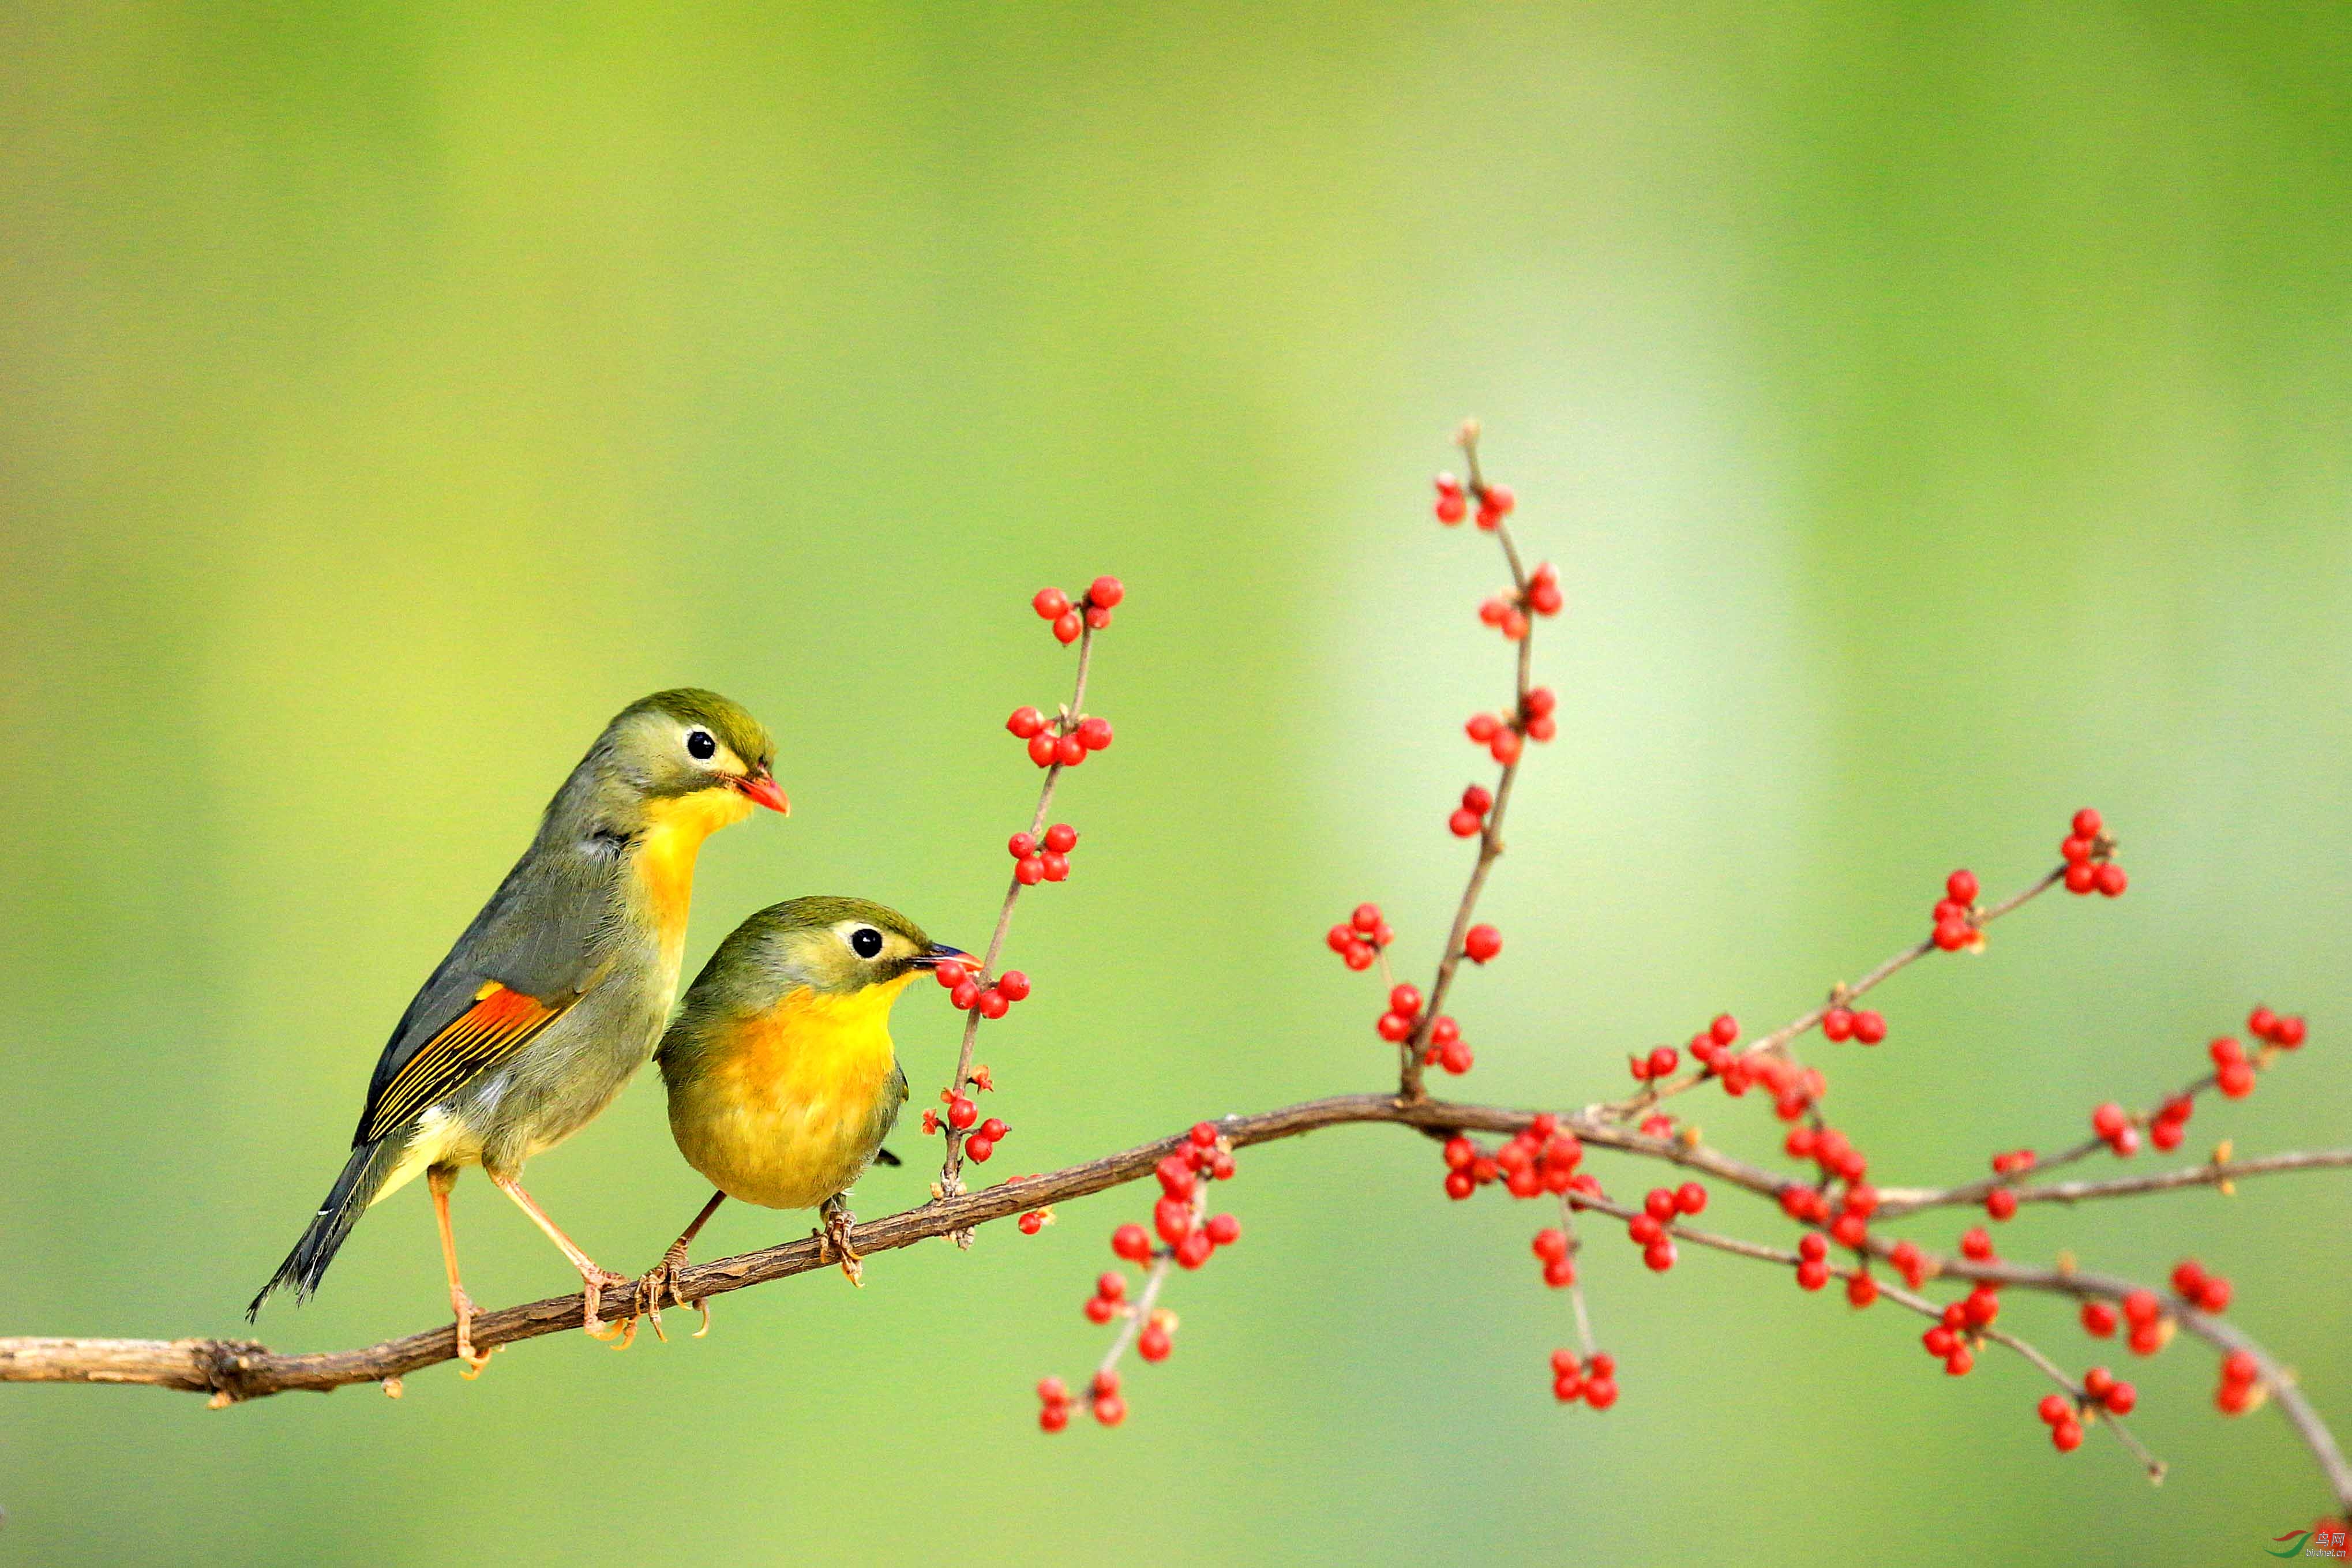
530, 952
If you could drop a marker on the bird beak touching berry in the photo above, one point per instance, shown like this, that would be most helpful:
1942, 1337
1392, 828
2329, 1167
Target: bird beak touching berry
762, 787
940, 952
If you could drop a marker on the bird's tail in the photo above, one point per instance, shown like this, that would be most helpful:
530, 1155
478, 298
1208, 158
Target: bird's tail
363, 1176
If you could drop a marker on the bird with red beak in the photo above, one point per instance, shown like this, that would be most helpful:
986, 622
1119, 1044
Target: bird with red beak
556, 995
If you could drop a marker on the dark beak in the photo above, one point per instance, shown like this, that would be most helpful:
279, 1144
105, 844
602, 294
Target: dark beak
940, 952
762, 787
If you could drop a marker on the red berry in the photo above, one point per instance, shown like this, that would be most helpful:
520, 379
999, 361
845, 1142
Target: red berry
1690, 1197
1505, 747
2122, 1398
1105, 592
2082, 877
1813, 1274
1366, 919
992, 1003
1837, 1024
1464, 822
1053, 1417
1043, 748
1495, 504
1053, 866
1061, 838
1599, 1393
979, 1149
1224, 1230
1958, 1363
2000, 1202
2240, 1366
1869, 1027
1014, 984
1724, 1029
2289, 1033
1068, 625
2108, 1120
1025, 722
2111, 880
2054, 1408
1357, 956
2087, 823
1663, 1061
1550, 1245
1111, 1410
1031, 871
1069, 751
1659, 1256
1099, 1311
1153, 1344
1049, 603
1203, 1135
1130, 1242
1559, 1273
1960, 887
2235, 1080
1094, 734
961, 1113
2066, 1436
1482, 943
1861, 1291
1455, 1057
1405, 999
2098, 1319
951, 975
1195, 1249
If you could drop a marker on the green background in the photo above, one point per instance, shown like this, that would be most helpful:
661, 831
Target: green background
1940, 415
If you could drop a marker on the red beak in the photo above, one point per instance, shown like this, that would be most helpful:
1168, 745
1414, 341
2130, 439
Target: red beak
762, 787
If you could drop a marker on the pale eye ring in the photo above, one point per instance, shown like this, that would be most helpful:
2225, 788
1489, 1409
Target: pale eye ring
701, 744
866, 942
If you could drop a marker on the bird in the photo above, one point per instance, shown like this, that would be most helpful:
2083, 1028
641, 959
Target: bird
782, 1078
557, 992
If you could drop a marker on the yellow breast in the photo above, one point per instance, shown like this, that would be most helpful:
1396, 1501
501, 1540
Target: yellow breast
666, 855
790, 1111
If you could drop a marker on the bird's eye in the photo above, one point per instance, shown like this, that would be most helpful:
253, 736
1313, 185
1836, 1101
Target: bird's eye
866, 942
700, 746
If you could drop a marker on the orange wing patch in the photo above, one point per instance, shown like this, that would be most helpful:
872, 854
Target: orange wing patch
498, 1024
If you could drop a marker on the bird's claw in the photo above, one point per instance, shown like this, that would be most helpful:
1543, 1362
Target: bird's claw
462, 1306
661, 1276
837, 1221
595, 1282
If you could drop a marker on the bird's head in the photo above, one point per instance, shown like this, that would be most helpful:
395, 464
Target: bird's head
690, 745
834, 947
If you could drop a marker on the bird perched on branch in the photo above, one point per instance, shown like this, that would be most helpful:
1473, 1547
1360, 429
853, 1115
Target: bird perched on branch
557, 992
782, 1080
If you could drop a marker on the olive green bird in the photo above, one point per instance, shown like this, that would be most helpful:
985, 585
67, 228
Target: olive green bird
557, 992
782, 1079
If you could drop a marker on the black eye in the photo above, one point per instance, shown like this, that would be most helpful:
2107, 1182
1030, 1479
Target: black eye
865, 942
700, 746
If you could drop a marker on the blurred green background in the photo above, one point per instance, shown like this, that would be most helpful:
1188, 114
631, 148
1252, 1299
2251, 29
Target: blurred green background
1940, 415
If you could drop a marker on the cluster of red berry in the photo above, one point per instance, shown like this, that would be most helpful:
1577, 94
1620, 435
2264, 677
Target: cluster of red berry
1660, 1208
1507, 612
1045, 859
1505, 737
1956, 914
1061, 741
1053, 1402
981, 1137
1841, 1022
1541, 1157
2102, 1391
993, 1000
1092, 610
1178, 1215
1495, 502
1592, 1380
1958, 1333
1358, 939
2209, 1293
2240, 1388
1469, 818
2086, 852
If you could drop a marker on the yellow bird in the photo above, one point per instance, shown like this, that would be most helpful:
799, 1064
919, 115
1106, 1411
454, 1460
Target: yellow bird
782, 1079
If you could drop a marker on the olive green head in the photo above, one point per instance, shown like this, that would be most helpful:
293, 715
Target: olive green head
686, 741
831, 946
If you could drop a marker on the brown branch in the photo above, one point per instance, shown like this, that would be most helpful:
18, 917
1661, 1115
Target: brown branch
235, 1370
952, 1166
1896, 1201
1490, 836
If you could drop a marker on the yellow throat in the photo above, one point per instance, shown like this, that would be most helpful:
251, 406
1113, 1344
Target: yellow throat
666, 854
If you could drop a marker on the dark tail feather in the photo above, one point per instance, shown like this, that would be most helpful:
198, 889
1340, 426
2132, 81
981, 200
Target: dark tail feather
364, 1174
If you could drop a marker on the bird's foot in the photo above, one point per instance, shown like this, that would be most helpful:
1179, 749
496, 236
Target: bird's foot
663, 1277
595, 1281
837, 1221
462, 1306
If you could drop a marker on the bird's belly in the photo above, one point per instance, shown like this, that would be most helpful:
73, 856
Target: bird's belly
791, 1133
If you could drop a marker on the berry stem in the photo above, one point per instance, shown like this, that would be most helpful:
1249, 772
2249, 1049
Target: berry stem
951, 1168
